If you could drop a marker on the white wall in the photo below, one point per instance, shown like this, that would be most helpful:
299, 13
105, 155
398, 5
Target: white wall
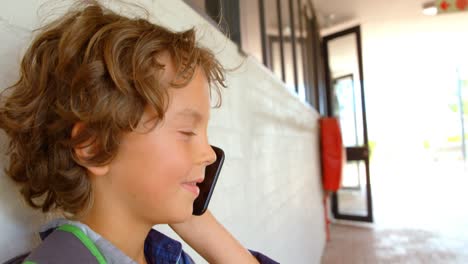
409, 70
269, 194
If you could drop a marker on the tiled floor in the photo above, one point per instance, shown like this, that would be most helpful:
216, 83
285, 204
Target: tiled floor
368, 245
420, 216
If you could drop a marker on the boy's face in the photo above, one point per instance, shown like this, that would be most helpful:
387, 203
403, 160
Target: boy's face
148, 176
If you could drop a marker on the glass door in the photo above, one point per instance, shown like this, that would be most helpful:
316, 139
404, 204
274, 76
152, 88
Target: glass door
345, 101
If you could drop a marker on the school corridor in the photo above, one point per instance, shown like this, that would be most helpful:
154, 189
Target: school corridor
424, 221
392, 74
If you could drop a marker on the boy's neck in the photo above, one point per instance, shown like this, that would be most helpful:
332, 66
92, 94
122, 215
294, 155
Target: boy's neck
122, 231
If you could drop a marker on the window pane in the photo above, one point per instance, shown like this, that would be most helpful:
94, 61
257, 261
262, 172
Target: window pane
298, 32
352, 195
272, 32
346, 90
250, 28
288, 47
300, 73
276, 56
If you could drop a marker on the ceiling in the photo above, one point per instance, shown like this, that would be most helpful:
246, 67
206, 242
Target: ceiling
335, 12
332, 12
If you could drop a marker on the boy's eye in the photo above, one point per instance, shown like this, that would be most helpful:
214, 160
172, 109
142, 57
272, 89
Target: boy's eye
188, 133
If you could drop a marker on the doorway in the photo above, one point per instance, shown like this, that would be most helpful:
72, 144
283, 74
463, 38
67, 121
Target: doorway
345, 101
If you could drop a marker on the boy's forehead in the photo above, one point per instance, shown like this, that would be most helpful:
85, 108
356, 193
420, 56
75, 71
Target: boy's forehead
190, 113
191, 102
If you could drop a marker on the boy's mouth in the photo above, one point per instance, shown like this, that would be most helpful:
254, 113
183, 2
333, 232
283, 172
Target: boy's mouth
192, 187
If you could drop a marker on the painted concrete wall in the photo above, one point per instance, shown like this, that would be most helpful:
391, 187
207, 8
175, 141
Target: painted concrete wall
268, 194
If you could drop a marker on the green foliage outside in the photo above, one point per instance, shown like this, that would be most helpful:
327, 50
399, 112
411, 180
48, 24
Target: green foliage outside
426, 144
454, 107
371, 149
457, 138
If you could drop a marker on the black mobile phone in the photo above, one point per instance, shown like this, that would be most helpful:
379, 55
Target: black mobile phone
207, 186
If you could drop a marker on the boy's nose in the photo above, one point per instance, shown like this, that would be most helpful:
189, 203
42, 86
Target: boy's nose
209, 155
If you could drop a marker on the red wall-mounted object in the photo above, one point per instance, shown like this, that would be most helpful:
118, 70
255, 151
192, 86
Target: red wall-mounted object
332, 153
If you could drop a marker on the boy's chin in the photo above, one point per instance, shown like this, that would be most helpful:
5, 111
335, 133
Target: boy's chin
182, 217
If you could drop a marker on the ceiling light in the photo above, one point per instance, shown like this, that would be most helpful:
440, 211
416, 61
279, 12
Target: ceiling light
429, 9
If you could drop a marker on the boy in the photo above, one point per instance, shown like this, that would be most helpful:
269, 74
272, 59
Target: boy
108, 124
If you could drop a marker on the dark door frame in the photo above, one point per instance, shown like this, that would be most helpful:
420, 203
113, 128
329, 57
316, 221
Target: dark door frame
353, 153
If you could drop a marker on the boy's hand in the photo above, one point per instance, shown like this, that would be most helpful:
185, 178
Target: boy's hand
212, 241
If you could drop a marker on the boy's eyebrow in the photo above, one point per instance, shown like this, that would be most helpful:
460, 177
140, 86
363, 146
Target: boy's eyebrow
192, 113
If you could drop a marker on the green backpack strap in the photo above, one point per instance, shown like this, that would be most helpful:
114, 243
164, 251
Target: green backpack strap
66, 244
85, 240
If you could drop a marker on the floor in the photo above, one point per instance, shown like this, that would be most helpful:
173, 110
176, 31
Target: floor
367, 245
420, 217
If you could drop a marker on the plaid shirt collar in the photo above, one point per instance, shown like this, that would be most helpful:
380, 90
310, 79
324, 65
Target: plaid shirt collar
159, 248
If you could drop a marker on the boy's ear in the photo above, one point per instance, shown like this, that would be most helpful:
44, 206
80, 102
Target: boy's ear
85, 150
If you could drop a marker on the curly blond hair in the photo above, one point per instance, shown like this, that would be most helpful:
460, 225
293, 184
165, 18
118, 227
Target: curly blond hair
95, 67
